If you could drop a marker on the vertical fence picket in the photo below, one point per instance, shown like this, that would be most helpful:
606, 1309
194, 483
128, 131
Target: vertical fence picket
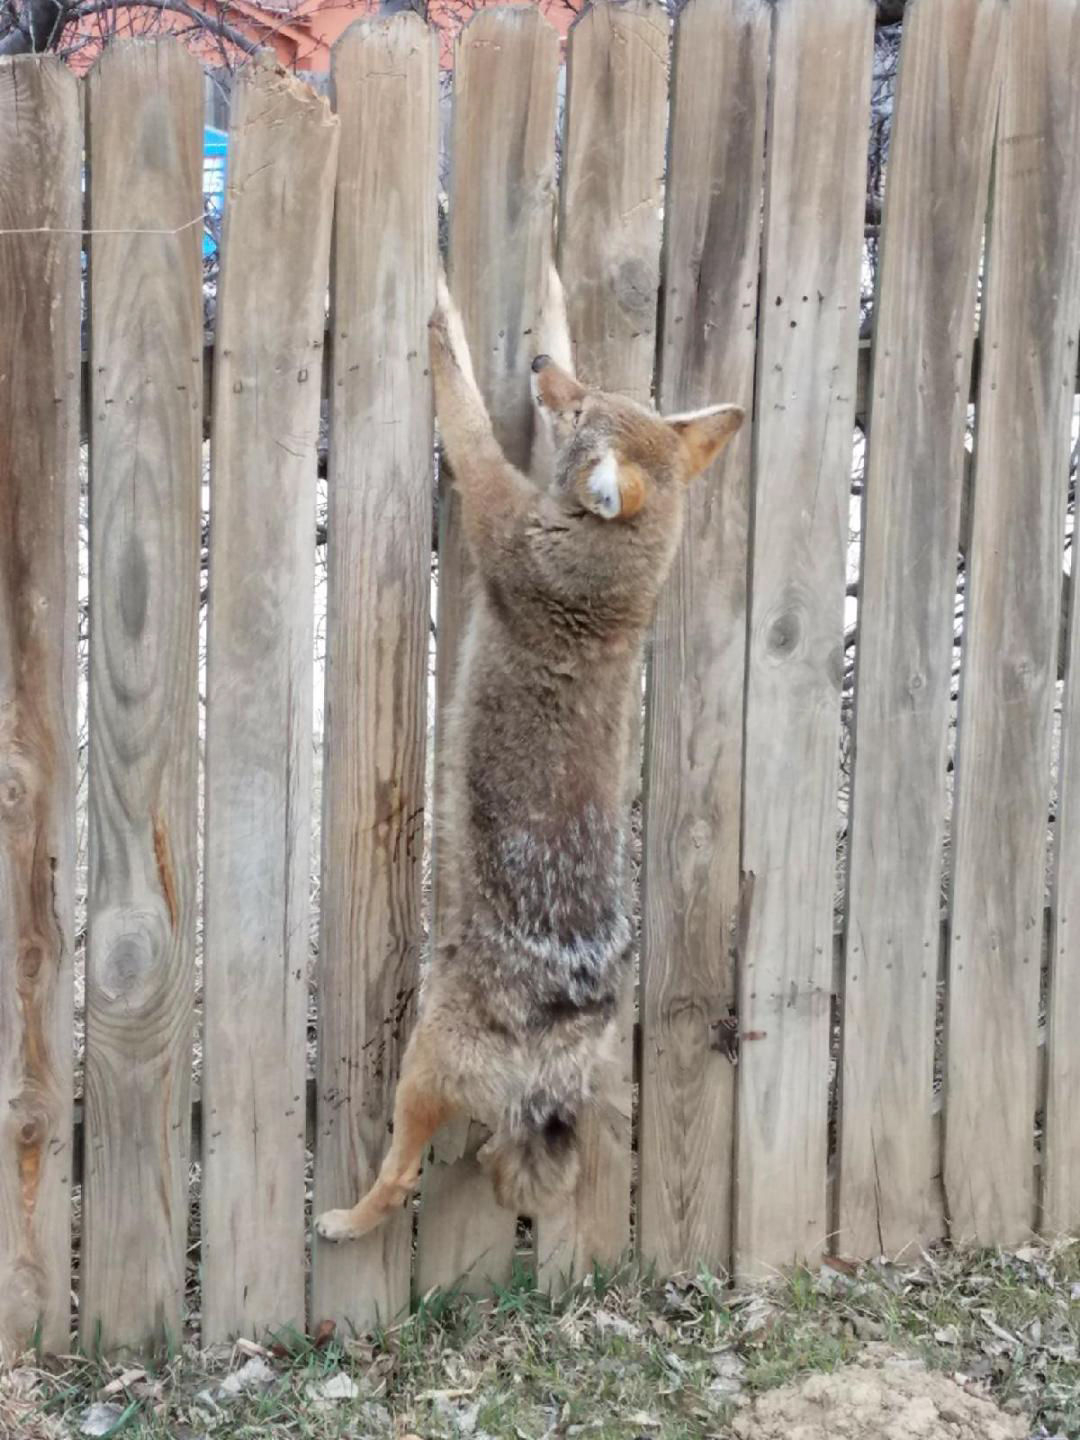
693, 753
268, 358
379, 565
805, 414
40, 155
501, 184
609, 260
939, 167
1031, 317
145, 116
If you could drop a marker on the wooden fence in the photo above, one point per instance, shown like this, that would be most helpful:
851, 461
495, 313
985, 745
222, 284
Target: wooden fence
712, 251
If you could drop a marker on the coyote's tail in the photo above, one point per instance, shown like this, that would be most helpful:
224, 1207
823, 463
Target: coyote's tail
533, 1161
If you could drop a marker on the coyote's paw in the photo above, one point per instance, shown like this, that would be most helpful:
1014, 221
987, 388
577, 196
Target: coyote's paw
335, 1225
447, 334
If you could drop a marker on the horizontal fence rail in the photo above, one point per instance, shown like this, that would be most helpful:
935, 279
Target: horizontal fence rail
854, 1024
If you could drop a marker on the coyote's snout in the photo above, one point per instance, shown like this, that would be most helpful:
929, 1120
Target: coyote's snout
519, 1003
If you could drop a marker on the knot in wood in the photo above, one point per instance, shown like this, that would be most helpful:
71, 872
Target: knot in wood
687, 1023
635, 289
133, 588
784, 635
32, 1132
132, 942
1019, 676
30, 959
16, 795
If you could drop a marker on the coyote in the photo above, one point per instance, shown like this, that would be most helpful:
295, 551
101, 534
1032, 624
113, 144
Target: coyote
519, 1003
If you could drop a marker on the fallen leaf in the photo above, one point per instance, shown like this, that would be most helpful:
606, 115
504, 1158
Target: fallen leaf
729, 1377
947, 1335
837, 1262
605, 1320
122, 1382
338, 1387
987, 1317
256, 1374
205, 1401
251, 1349
324, 1333
99, 1419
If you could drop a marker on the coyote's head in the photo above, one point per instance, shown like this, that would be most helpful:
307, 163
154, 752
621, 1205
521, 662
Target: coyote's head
614, 457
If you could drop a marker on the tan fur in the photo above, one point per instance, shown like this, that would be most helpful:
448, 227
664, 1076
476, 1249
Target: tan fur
517, 1015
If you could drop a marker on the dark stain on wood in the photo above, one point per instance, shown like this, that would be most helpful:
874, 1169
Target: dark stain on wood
163, 857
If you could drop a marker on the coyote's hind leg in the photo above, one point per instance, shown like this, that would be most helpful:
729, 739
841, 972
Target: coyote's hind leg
419, 1111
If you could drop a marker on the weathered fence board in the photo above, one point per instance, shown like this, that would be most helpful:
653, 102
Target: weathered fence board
501, 186
815, 193
609, 261
386, 95
270, 321
693, 767
1024, 410
145, 116
939, 166
40, 151
1061, 1169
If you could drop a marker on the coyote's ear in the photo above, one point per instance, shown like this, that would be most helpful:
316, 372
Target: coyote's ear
704, 433
555, 388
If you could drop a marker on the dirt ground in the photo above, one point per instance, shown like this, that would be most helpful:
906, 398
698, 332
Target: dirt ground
883, 1397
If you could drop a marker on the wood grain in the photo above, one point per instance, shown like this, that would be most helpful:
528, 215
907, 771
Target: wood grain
814, 197
145, 116
40, 153
1031, 318
501, 190
381, 459
939, 167
609, 260
693, 761
1061, 1169
270, 318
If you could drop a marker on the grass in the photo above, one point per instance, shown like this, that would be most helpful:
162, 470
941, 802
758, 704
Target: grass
621, 1356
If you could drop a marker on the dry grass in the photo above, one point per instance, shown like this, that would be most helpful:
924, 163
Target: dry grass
618, 1358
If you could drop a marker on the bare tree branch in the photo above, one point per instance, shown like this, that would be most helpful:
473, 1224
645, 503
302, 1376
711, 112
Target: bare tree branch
200, 19
32, 26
